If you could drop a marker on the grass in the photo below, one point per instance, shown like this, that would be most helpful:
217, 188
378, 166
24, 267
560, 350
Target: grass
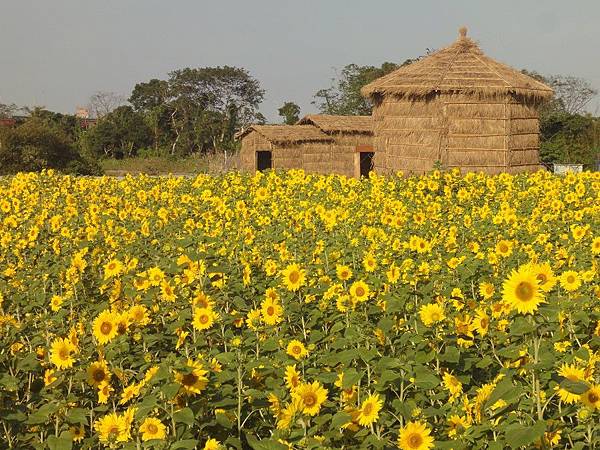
213, 163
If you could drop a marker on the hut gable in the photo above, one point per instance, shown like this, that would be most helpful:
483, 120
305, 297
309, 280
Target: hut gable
281, 134
460, 68
339, 124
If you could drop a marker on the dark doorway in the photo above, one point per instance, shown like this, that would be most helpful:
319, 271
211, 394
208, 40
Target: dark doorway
263, 160
366, 163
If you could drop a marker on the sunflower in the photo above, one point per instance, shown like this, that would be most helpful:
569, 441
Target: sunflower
415, 436
167, 291
369, 263
212, 444
49, 377
61, 353
77, 433
596, 246
271, 311
105, 327
296, 349
292, 377
521, 290
293, 277
571, 373
457, 425
359, 291
130, 392
504, 248
311, 396
98, 373
113, 268
369, 410
591, 397
139, 315
481, 322
544, 275
287, 413
112, 428
201, 300
55, 302
204, 318
194, 380
104, 391
155, 276
486, 290
152, 428
431, 313
452, 385
343, 272
570, 280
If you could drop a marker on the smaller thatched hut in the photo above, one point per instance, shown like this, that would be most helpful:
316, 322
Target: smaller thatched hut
352, 150
284, 147
458, 108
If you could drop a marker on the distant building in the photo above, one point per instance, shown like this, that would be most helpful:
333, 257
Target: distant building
561, 169
82, 113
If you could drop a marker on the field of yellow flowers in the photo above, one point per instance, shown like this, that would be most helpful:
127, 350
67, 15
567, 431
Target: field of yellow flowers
285, 310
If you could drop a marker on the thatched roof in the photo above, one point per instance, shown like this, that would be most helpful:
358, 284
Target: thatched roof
339, 124
460, 68
287, 133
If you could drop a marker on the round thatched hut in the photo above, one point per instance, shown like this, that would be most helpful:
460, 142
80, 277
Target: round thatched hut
456, 108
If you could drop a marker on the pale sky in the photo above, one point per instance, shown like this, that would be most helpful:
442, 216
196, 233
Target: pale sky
57, 53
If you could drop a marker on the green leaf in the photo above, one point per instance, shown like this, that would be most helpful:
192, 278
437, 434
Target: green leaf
388, 376
575, 387
351, 377
77, 416
451, 355
265, 444
425, 378
184, 444
502, 389
170, 390
63, 442
521, 326
29, 363
43, 414
518, 435
185, 415
339, 419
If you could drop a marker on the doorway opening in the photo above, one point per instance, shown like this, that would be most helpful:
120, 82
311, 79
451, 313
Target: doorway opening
366, 163
264, 160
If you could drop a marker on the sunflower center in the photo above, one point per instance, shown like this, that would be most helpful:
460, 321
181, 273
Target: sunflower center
98, 375
114, 429
484, 323
204, 318
570, 279
270, 310
294, 277
112, 266
415, 440
296, 349
503, 248
63, 353
310, 399
367, 409
106, 327
593, 397
435, 317
360, 291
542, 278
524, 291
152, 429
189, 379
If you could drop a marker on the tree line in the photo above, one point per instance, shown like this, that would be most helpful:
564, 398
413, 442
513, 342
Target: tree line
200, 110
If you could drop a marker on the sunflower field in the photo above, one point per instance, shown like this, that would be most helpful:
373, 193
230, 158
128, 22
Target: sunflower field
295, 311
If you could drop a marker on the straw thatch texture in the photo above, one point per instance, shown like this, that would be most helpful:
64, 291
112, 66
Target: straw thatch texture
288, 144
458, 108
339, 124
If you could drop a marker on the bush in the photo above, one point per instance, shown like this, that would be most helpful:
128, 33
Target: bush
35, 145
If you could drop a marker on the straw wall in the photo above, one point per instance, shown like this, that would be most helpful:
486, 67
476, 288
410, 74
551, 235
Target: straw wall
343, 152
407, 135
458, 131
251, 143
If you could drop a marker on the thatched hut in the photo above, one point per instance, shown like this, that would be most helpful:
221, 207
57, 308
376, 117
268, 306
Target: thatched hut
351, 153
457, 108
284, 147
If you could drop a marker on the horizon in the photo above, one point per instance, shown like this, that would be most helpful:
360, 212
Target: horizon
292, 49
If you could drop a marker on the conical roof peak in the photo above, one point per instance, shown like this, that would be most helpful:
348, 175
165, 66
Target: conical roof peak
459, 68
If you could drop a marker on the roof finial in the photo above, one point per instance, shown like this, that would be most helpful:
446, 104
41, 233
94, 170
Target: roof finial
462, 32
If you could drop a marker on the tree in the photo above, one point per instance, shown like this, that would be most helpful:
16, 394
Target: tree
344, 97
36, 145
102, 103
119, 134
290, 113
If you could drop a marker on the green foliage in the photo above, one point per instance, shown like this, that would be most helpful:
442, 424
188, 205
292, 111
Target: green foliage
37, 145
290, 113
343, 96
